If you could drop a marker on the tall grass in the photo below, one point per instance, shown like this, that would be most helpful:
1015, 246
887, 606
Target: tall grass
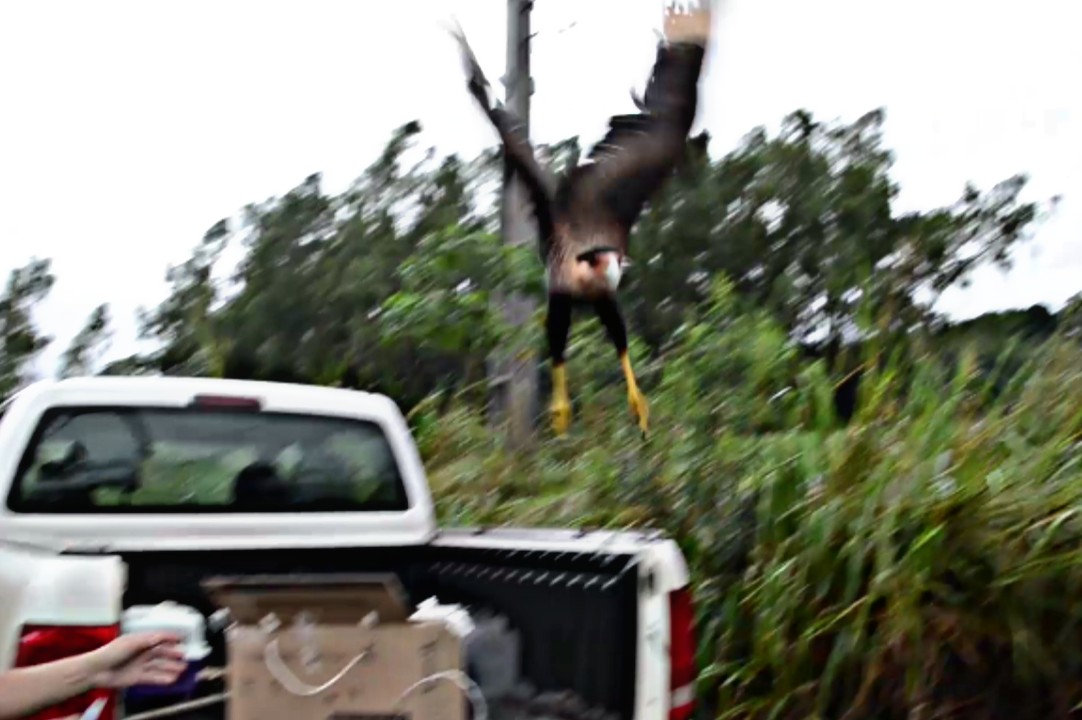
920, 562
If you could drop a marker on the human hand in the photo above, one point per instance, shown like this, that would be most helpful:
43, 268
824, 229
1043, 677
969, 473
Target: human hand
147, 658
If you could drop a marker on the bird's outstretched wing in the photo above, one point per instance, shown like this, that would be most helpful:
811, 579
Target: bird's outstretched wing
518, 152
640, 150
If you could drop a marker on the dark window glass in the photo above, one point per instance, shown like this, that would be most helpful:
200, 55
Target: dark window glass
151, 460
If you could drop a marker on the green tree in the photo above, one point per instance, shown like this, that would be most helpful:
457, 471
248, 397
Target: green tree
88, 345
1071, 317
803, 224
21, 341
184, 323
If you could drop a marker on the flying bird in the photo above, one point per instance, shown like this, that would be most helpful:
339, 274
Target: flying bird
585, 217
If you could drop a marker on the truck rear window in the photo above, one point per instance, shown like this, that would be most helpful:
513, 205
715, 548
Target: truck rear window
167, 460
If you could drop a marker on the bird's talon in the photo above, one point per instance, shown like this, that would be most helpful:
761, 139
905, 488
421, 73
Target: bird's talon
561, 417
561, 402
640, 409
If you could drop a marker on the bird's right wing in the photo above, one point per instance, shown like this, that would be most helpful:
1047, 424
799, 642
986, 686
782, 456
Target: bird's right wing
640, 150
518, 152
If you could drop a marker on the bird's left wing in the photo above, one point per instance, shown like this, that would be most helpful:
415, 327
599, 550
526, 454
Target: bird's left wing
640, 150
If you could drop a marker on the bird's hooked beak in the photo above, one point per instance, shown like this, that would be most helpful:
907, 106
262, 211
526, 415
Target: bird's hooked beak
614, 270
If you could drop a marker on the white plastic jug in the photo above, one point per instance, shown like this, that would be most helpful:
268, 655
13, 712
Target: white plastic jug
170, 617
456, 617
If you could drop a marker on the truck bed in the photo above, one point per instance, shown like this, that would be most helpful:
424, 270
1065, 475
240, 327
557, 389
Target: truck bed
576, 611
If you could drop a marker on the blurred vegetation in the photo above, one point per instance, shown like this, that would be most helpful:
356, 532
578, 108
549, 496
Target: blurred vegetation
880, 508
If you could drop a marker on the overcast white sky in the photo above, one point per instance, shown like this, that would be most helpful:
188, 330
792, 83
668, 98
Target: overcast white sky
127, 127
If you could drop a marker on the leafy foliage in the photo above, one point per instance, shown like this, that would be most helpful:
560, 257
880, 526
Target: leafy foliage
921, 560
21, 341
88, 345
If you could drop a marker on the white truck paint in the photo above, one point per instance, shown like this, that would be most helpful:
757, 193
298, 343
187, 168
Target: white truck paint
68, 569
39, 586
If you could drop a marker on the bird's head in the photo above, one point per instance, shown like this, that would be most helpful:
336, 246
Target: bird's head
603, 266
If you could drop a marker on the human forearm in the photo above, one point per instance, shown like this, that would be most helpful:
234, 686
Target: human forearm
153, 658
24, 690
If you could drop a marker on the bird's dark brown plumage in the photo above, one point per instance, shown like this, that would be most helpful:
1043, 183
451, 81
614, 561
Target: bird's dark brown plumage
597, 202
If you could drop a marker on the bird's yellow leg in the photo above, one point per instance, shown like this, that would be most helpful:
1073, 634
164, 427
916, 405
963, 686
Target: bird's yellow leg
561, 403
639, 407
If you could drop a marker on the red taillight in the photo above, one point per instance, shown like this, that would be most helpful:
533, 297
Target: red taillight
40, 644
683, 671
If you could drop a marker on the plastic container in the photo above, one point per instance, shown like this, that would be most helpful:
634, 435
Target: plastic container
182, 620
494, 653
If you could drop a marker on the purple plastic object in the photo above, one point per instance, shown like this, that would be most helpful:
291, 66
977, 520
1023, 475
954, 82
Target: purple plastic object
182, 620
182, 688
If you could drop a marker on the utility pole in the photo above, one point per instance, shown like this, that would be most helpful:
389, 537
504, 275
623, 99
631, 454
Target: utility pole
515, 377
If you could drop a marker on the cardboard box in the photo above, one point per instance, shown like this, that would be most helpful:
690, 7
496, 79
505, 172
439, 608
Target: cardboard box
317, 626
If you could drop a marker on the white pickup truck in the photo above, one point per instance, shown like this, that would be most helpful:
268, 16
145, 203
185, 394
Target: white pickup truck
122, 491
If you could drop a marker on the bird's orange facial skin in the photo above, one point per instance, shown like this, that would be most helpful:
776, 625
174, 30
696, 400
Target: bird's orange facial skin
591, 278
